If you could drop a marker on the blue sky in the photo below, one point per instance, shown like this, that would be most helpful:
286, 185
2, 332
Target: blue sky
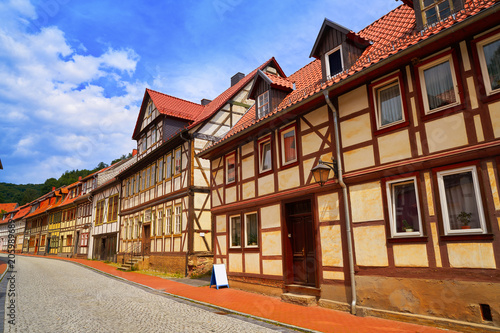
73, 72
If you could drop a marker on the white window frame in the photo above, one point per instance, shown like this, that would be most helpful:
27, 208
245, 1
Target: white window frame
447, 58
178, 219
376, 89
231, 232
263, 108
159, 224
444, 206
168, 221
261, 154
327, 61
482, 63
392, 208
246, 233
285, 130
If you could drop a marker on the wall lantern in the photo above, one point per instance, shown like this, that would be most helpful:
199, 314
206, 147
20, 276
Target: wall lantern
321, 172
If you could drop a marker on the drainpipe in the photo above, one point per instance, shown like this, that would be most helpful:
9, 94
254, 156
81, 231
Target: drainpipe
346, 203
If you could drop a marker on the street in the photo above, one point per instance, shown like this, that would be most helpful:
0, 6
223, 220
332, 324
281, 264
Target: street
57, 296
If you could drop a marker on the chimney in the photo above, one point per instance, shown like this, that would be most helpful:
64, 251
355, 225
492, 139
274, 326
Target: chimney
206, 101
134, 152
79, 178
236, 78
53, 188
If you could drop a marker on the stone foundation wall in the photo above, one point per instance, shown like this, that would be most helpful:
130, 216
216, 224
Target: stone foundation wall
450, 299
258, 285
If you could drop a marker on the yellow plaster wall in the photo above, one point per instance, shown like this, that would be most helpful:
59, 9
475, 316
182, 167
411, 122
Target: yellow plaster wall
247, 149
328, 207
222, 244
247, 167
230, 194
218, 176
199, 179
177, 244
419, 143
414, 111
446, 132
356, 130
471, 255
215, 199
220, 221
428, 190
494, 185
394, 146
289, 178
252, 263
465, 55
216, 163
199, 200
266, 184
366, 202
370, 246
272, 267
409, 81
359, 158
353, 101
271, 243
270, 217
472, 92
317, 116
307, 165
479, 128
435, 244
495, 118
248, 190
235, 262
312, 142
410, 255
328, 275
331, 246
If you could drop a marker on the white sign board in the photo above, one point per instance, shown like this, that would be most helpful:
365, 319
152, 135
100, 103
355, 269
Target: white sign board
219, 276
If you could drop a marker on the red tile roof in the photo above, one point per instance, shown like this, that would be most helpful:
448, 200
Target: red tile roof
8, 207
278, 81
23, 211
175, 107
390, 34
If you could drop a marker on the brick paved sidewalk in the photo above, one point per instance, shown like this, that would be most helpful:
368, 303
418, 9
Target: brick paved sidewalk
266, 307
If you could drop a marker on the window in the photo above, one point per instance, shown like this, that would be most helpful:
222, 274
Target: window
153, 224
153, 175
265, 159
404, 208
150, 109
84, 240
160, 224
435, 10
148, 174
42, 243
130, 229
168, 166
288, 145
113, 208
143, 180
439, 84
137, 182
231, 168
99, 213
334, 63
160, 170
388, 102
263, 104
168, 221
235, 231
177, 161
178, 219
251, 230
461, 201
489, 59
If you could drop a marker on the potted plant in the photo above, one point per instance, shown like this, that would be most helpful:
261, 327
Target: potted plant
464, 218
407, 227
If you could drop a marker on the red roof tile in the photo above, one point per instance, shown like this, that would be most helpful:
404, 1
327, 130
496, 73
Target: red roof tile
175, 107
390, 34
22, 212
278, 81
8, 207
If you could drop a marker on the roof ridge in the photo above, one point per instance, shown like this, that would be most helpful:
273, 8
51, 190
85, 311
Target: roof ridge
177, 98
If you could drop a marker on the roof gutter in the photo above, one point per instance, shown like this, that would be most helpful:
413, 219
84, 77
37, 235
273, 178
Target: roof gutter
346, 203
480, 16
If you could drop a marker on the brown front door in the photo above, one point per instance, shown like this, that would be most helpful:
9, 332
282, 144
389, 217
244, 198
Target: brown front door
146, 240
302, 246
36, 246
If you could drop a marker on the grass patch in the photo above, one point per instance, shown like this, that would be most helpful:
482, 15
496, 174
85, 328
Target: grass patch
160, 274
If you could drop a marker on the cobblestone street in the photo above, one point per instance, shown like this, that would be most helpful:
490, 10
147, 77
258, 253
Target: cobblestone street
57, 296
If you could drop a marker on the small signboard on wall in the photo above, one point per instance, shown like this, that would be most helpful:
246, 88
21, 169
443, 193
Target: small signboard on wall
219, 276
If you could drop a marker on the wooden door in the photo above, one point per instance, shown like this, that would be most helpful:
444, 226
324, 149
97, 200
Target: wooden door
301, 236
36, 246
146, 240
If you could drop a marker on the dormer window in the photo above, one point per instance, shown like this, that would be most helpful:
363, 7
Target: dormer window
333, 62
435, 10
150, 109
263, 104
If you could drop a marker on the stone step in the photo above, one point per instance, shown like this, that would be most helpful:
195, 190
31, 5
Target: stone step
304, 300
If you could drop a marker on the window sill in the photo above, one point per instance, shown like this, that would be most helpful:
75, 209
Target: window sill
443, 112
467, 237
289, 165
265, 173
409, 239
391, 128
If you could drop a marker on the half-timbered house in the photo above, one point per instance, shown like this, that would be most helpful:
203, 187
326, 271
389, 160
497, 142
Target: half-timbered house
36, 232
7, 213
408, 225
165, 210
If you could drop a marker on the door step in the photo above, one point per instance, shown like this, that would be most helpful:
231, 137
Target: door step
304, 300
302, 290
